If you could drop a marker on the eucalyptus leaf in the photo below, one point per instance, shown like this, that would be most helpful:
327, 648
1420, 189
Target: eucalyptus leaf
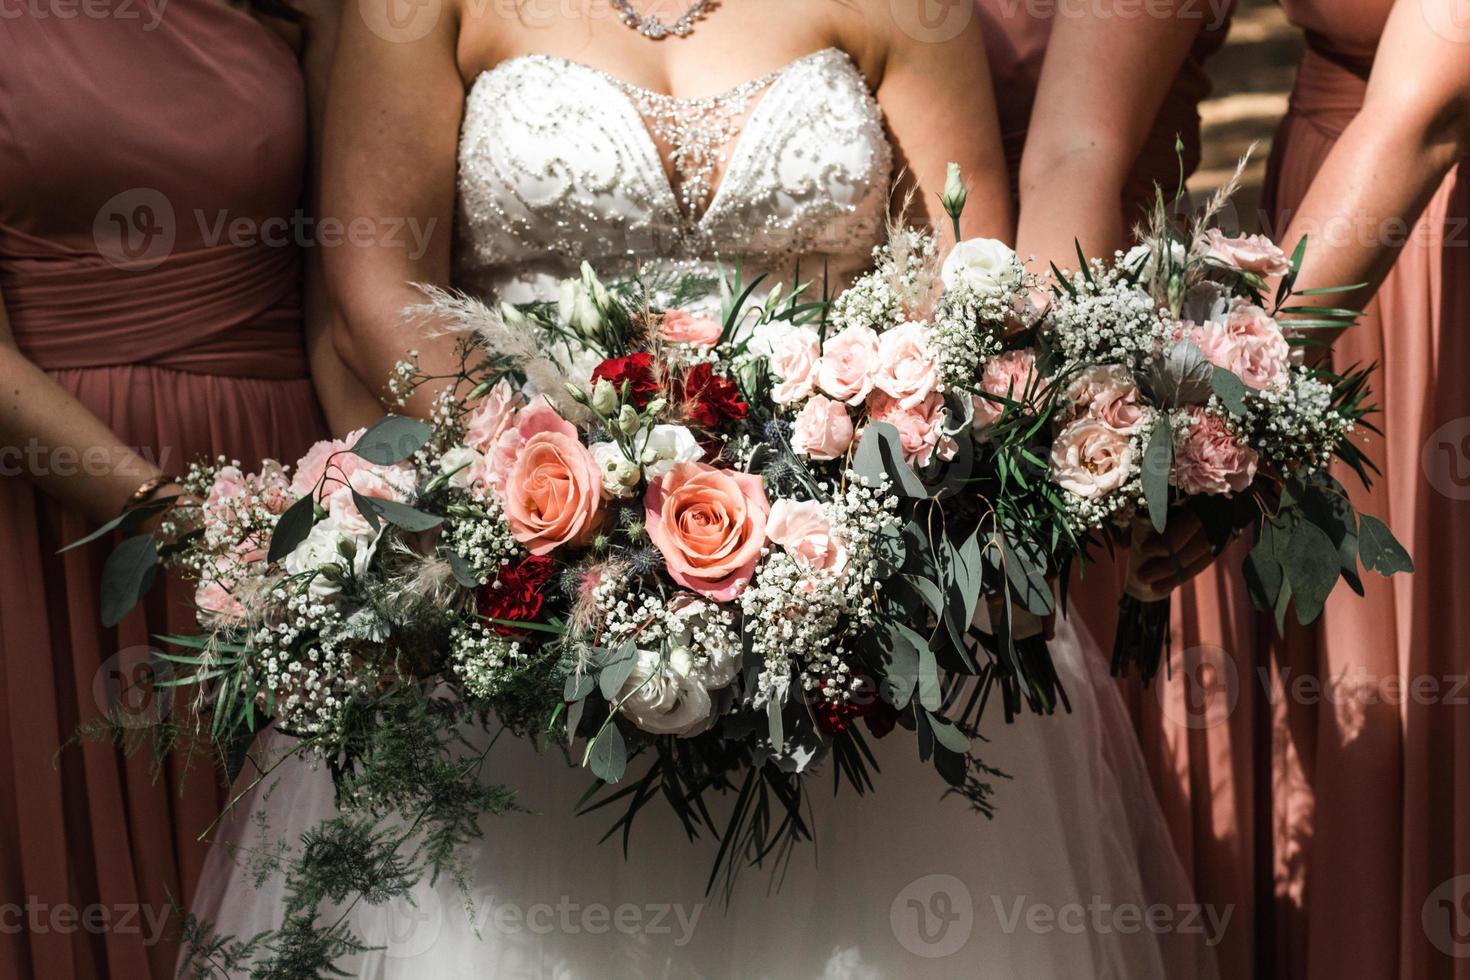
617, 670
126, 576
391, 440
899, 655
880, 456
1181, 376
1158, 460
948, 735
409, 518
128, 520
464, 574
1312, 566
578, 686
608, 756
292, 528
1230, 390
1379, 549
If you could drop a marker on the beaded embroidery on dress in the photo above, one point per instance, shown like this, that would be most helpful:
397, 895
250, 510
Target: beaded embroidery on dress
558, 164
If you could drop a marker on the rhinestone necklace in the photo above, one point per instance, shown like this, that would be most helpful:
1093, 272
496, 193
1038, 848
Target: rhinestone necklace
696, 131
651, 27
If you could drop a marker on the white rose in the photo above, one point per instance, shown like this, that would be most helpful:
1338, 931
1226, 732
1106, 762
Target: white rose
619, 473
459, 465
715, 663
1141, 257
324, 547
662, 695
664, 446
985, 265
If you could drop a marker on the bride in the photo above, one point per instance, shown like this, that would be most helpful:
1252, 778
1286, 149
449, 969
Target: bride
758, 133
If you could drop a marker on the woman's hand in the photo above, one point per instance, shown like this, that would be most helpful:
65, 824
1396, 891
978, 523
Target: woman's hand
1160, 563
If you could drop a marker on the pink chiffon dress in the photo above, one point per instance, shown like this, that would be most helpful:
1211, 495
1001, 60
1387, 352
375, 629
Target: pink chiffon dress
149, 170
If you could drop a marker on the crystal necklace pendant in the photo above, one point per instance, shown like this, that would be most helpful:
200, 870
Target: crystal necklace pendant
651, 27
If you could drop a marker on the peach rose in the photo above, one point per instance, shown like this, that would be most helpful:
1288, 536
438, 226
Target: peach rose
1091, 458
1212, 459
849, 361
1107, 392
1249, 253
538, 416
907, 368
800, 527
794, 356
1010, 375
553, 493
678, 327
822, 429
215, 605
920, 429
710, 525
494, 414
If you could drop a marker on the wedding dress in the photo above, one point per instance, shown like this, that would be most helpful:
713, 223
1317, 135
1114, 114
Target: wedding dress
557, 165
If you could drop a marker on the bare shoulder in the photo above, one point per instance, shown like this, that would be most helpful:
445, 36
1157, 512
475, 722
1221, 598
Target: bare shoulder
878, 33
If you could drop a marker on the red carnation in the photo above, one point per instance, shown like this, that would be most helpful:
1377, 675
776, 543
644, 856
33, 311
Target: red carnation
634, 369
517, 594
709, 399
835, 716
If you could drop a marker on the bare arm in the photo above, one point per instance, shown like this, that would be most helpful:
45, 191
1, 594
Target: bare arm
389, 162
52, 439
1102, 84
940, 107
1414, 125
347, 402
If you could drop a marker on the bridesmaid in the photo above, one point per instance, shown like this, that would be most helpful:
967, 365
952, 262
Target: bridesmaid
151, 312
1363, 829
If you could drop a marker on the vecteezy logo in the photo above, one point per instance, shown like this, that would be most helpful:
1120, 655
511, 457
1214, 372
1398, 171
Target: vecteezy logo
130, 689
1206, 693
933, 916
1445, 459
135, 229
1446, 917
400, 20
934, 21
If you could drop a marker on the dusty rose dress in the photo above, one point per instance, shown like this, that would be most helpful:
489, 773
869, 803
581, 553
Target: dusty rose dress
1339, 820
125, 147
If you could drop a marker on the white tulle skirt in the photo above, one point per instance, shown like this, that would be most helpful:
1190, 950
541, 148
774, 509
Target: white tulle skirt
1073, 878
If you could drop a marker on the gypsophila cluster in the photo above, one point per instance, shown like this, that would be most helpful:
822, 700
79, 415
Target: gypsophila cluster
1298, 425
307, 662
483, 659
485, 541
1106, 318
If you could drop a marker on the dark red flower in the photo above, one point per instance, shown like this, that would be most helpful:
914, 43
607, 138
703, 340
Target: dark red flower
517, 593
709, 399
835, 716
636, 370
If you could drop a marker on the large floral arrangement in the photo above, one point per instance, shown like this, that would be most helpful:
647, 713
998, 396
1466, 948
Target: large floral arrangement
700, 546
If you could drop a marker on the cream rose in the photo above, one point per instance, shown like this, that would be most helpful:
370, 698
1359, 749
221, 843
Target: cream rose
710, 525
1107, 392
802, 529
794, 356
662, 696
1091, 459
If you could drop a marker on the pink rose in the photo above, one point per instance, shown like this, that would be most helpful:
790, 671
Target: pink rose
678, 327
1212, 459
1248, 253
822, 429
1108, 393
849, 361
907, 368
322, 455
382, 483
710, 525
1247, 343
274, 487
794, 356
494, 414
920, 429
1091, 458
553, 493
800, 527
1011, 375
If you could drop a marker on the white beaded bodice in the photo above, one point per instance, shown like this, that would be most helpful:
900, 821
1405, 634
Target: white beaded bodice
557, 165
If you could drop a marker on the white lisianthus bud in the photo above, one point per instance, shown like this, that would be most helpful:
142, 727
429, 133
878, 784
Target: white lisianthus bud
604, 398
578, 308
578, 395
955, 194
656, 408
619, 473
513, 317
985, 265
628, 420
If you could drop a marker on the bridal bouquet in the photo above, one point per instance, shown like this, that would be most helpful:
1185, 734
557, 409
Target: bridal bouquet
1180, 385
725, 537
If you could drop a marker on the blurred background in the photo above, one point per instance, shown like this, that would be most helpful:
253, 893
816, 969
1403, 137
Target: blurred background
1252, 77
